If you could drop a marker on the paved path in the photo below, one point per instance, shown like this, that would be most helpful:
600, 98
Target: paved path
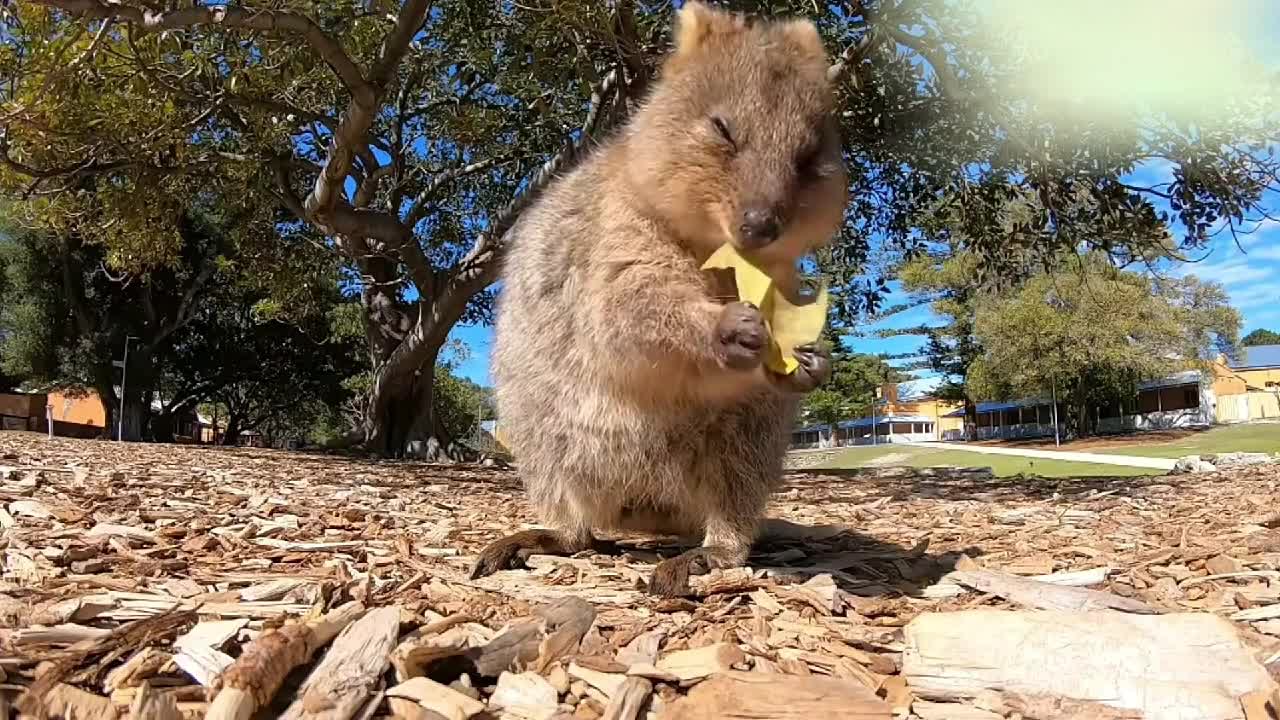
1129, 460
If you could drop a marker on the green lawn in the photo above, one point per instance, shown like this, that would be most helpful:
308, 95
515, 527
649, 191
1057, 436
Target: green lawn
1258, 437
1001, 465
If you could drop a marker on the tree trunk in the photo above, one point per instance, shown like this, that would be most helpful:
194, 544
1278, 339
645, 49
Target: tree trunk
970, 419
402, 421
1084, 424
162, 426
136, 412
231, 435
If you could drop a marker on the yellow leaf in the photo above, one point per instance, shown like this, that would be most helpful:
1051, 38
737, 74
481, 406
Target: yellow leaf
789, 324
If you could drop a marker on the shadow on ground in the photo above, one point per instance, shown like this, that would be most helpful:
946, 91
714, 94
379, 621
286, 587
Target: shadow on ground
860, 564
860, 485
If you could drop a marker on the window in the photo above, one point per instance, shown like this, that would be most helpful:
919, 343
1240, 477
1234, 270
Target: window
1149, 401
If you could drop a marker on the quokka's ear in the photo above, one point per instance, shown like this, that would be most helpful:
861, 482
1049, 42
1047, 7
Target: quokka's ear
697, 23
803, 34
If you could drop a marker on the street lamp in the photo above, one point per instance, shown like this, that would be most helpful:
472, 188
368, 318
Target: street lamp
874, 401
1053, 300
124, 371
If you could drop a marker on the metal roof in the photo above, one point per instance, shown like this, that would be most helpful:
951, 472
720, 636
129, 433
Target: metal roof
866, 422
1187, 377
1256, 357
988, 407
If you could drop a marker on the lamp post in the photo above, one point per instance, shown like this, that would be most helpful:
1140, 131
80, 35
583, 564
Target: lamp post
124, 372
1058, 304
874, 401
1057, 441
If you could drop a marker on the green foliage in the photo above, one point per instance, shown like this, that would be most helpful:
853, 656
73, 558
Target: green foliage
826, 407
1096, 331
948, 283
460, 403
265, 373
942, 120
1261, 336
851, 390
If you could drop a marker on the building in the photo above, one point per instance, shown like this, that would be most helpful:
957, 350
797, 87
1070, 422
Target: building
1031, 417
911, 419
1232, 390
1248, 386
1243, 389
1182, 400
82, 415
73, 414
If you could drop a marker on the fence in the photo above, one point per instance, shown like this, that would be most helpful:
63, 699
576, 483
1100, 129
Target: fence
1247, 407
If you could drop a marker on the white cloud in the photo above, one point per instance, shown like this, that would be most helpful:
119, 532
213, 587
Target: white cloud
1255, 296
1272, 252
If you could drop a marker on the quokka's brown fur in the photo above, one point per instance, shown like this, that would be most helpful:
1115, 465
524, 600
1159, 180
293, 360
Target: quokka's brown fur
631, 399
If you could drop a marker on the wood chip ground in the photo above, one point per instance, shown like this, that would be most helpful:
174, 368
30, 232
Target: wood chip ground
155, 581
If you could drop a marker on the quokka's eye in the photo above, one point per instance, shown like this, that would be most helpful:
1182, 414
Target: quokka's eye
808, 163
723, 128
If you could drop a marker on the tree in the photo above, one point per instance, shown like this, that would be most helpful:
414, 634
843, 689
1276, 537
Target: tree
67, 316
1261, 337
413, 134
851, 390
1095, 331
8, 380
948, 283
262, 371
412, 145
825, 407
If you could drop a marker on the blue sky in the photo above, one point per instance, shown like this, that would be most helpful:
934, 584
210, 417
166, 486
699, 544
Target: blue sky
1250, 273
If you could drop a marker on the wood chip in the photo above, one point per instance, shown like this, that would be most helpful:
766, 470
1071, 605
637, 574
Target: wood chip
524, 696
252, 680
109, 530
202, 663
345, 678
776, 697
120, 558
72, 703
629, 701
926, 710
1119, 659
605, 682
151, 704
440, 699
1047, 596
210, 634
702, 662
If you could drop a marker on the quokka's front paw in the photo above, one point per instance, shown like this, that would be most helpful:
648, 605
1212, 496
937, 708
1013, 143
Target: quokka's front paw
741, 336
814, 370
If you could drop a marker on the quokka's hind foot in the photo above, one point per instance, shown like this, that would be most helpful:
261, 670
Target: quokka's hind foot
671, 576
511, 552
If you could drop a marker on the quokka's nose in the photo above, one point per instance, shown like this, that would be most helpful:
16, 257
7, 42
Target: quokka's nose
759, 227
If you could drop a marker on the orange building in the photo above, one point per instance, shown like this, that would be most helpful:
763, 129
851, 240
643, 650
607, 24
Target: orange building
73, 414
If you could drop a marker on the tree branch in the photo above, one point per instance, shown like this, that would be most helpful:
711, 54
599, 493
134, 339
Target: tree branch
262, 20
480, 263
854, 55
186, 306
93, 46
408, 22
418, 209
359, 117
936, 58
